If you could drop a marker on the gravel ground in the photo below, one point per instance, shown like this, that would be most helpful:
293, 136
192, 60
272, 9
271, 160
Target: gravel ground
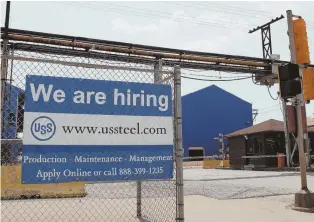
116, 201
229, 184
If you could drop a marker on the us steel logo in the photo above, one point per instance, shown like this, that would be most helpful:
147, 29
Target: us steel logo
43, 128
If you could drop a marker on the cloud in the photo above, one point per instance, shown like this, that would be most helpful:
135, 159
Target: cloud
121, 25
150, 26
210, 45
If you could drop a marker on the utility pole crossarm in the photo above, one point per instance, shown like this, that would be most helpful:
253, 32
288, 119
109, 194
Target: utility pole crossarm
267, 24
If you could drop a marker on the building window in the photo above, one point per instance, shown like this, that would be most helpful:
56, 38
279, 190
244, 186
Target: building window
258, 146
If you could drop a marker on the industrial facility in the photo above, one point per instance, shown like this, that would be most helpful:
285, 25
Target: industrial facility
206, 114
107, 126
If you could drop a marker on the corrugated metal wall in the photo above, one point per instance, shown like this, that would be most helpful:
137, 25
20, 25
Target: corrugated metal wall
10, 114
211, 111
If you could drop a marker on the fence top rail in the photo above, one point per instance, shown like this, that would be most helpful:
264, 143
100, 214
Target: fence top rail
84, 65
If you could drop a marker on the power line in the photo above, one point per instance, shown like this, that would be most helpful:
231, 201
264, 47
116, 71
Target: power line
246, 10
169, 14
269, 107
268, 111
220, 77
250, 12
141, 14
212, 80
200, 71
241, 9
210, 8
216, 23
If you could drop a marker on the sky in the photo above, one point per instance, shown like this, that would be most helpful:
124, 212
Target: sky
216, 27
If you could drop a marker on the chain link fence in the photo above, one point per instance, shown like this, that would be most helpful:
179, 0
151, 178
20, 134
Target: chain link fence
145, 200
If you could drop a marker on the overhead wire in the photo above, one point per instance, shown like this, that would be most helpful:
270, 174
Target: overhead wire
244, 10
229, 72
247, 11
240, 9
137, 14
214, 80
216, 23
250, 13
271, 95
190, 20
218, 78
199, 6
141, 14
210, 76
268, 107
268, 111
169, 14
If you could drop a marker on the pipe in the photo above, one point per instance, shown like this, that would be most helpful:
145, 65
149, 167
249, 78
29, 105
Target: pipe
140, 59
132, 51
130, 45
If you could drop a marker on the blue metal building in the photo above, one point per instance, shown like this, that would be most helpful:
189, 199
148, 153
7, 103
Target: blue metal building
208, 112
11, 111
12, 122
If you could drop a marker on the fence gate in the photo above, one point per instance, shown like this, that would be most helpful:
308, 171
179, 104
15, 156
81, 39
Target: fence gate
39, 153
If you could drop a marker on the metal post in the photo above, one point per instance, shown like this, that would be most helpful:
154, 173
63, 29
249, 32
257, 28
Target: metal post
157, 73
178, 145
287, 137
304, 199
157, 78
139, 198
223, 149
4, 63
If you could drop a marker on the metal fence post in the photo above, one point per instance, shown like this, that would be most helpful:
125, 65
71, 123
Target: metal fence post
139, 198
157, 78
178, 145
4, 65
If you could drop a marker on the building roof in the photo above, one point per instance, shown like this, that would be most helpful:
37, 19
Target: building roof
214, 87
271, 125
